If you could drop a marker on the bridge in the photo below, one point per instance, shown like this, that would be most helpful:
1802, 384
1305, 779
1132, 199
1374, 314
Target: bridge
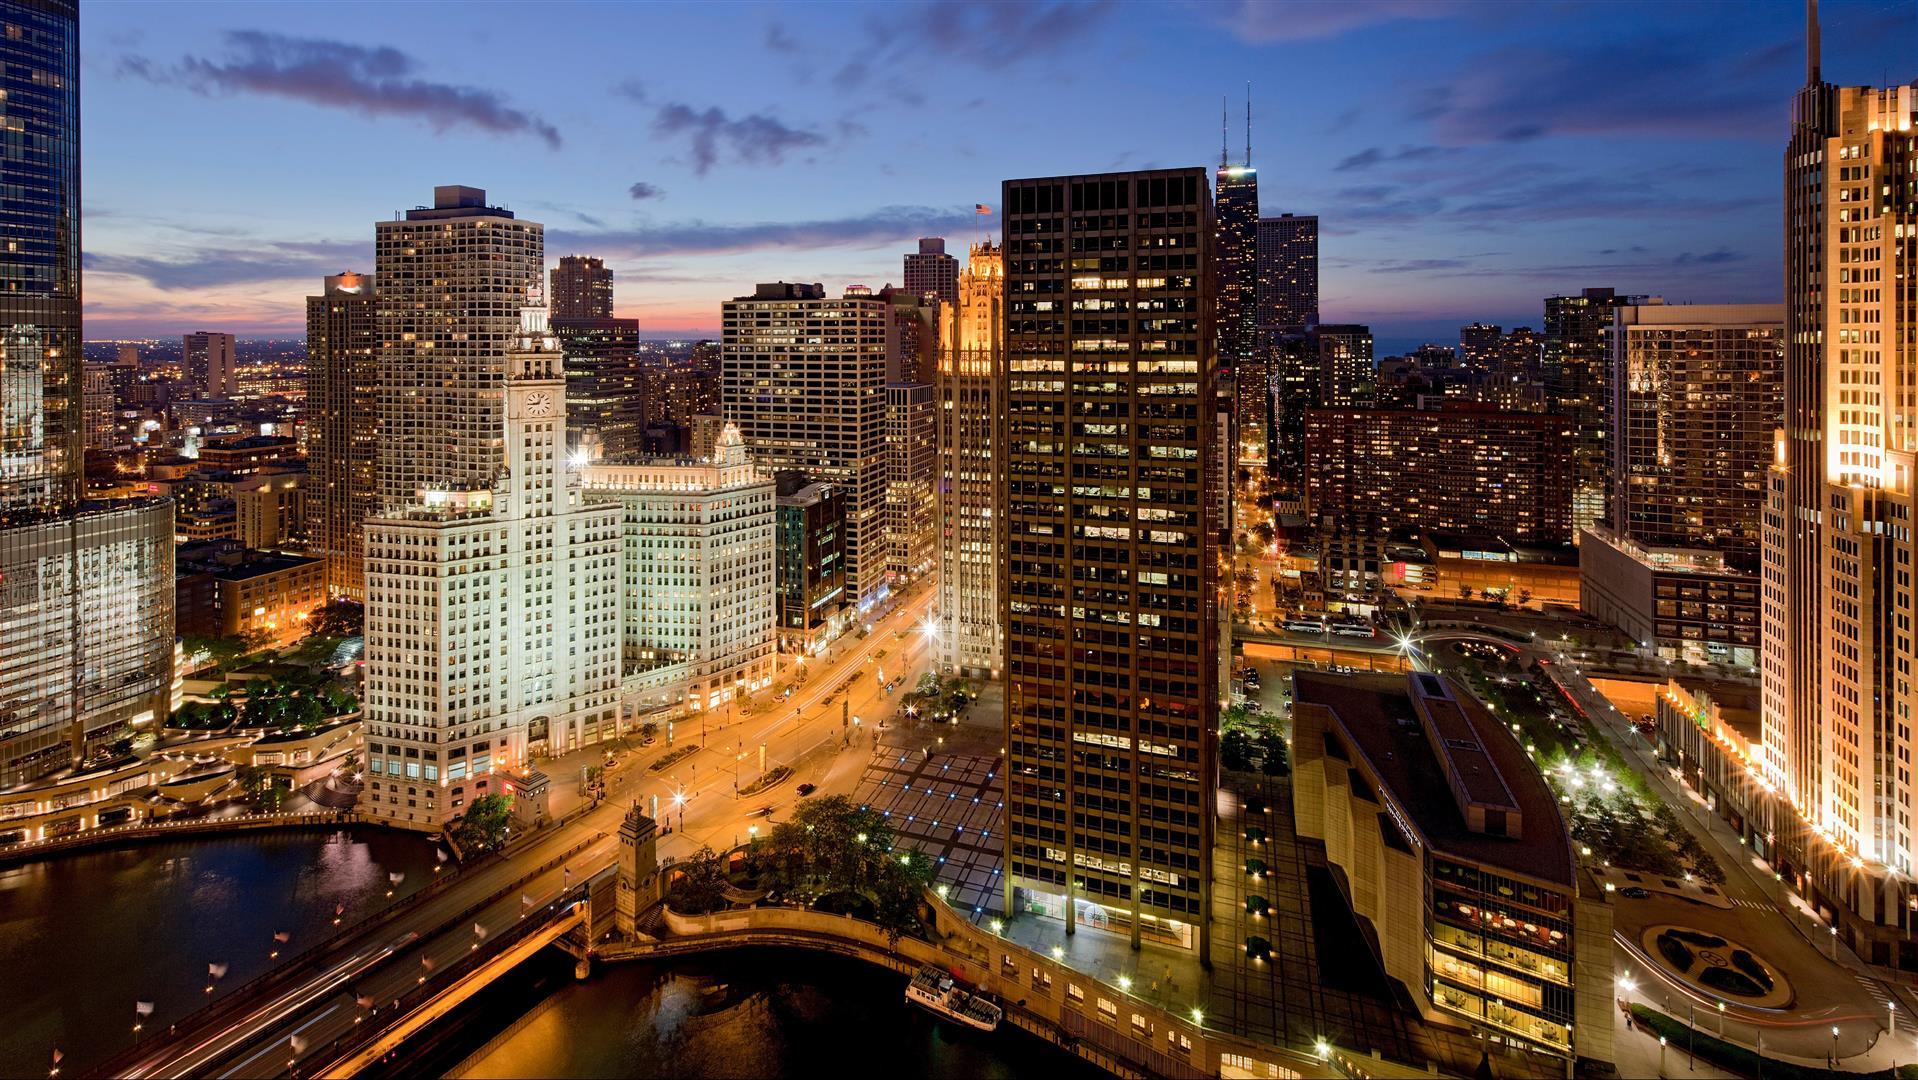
344, 994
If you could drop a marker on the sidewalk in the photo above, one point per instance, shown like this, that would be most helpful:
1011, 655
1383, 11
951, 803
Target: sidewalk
1711, 830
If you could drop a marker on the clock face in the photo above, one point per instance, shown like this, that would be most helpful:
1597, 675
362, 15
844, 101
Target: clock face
539, 403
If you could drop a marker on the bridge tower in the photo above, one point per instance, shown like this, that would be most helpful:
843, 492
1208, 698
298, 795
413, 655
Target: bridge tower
639, 882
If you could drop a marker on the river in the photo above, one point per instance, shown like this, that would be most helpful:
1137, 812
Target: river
749, 1013
84, 936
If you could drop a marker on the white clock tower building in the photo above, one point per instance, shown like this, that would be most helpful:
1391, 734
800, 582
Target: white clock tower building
492, 617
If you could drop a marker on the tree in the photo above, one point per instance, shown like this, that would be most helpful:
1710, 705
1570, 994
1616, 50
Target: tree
341, 618
1464, 591
701, 887
1524, 596
260, 789
1272, 746
898, 894
483, 826
1235, 749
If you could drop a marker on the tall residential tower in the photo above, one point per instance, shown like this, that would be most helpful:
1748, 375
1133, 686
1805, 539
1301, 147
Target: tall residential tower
342, 393
1838, 542
1108, 586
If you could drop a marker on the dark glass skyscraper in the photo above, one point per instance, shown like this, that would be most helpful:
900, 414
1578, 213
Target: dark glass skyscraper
86, 589
41, 436
1287, 293
1108, 550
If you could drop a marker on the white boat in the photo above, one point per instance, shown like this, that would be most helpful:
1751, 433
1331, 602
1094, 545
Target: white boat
946, 996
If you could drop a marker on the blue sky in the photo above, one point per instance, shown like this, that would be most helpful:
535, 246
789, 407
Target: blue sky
1466, 159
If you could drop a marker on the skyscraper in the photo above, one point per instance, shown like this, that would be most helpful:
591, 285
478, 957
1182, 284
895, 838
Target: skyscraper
211, 369
1463, 468
342, 393
605, 389
1288, 273
1577, 372
492, 613
932, 272
1238, 247
804, 377
1838, 543
698, 604
86, 589
1347, 370
582, 289
452, 278
970, 363
1697, 397
1108, 551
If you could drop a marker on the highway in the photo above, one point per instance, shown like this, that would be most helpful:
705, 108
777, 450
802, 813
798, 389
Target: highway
354, 978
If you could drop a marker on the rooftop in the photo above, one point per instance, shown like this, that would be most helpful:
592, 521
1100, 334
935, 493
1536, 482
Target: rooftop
1382, 720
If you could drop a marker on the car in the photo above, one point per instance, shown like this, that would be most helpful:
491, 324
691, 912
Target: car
1633, 892
807, 789
764, 811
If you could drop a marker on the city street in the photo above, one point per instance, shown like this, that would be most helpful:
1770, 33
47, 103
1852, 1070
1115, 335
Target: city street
377, 966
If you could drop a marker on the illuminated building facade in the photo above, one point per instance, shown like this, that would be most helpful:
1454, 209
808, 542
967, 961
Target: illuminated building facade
582, 289
86, 589
1464, 468
804, 376
342, 393
492, 614
1108, 585
970, 374
1287, 291
932, 272
1838, 545
212, 369
697, 607
1577, 375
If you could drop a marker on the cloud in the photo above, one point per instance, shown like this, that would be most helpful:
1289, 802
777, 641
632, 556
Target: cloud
231, 264
643, 190
886, 225
990, 36
753, 139
333, 74
1709, 258
632, 90
780, 40
1643, 87
1373, 155
1261, 22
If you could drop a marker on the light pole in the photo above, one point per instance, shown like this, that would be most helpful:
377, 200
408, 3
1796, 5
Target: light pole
1661, 1057
1833, 1060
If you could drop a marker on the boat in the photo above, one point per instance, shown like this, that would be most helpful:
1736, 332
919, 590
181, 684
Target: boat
944, 995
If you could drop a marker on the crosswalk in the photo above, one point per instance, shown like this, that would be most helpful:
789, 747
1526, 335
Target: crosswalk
1875, 988
1759, 905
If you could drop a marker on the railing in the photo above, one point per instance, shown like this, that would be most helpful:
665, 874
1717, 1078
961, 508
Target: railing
221, 1009
33, 849
358, 1036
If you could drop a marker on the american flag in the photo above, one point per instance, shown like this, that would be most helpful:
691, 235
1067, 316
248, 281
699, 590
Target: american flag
981, 208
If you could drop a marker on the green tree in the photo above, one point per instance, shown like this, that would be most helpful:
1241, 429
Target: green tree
701, 886
1272, 747
1235, 749
483, 826
341, 618
260, 788
898, 893
1464, 591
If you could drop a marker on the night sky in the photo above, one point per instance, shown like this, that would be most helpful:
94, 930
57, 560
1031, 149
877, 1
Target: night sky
1466, 159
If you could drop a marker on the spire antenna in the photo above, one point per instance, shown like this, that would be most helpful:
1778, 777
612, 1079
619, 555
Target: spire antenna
1811, 42
1248, 123
1223, 122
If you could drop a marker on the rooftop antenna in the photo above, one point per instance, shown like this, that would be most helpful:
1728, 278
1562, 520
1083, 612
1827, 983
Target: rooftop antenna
1248, 123
1222, 128
1811, 42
